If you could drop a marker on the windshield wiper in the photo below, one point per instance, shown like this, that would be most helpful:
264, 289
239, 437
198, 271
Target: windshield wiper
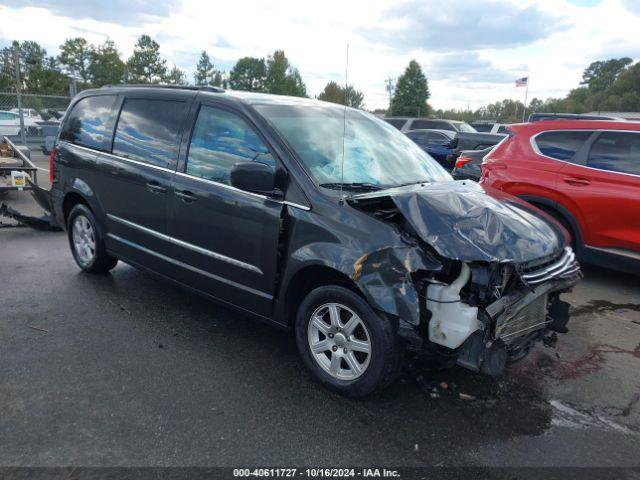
412, 183
363, 186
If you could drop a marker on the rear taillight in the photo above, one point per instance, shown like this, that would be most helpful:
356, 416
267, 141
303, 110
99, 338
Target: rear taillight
51, 157
462, 161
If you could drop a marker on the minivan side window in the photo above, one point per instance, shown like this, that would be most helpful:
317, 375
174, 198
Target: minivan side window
422, 124
220, 140
616, 152
90, 122
561, 145
398, 123
148, 131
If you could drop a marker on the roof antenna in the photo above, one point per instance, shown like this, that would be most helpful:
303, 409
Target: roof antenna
344, 124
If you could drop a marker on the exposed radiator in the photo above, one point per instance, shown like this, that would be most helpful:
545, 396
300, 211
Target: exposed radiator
530, 318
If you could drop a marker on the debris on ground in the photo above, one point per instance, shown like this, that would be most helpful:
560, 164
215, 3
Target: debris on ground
466, 397
38, 329
45, 223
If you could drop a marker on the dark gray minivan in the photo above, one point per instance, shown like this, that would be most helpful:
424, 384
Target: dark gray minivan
316, 218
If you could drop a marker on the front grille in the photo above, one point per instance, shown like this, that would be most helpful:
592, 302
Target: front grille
564, 267
530, 318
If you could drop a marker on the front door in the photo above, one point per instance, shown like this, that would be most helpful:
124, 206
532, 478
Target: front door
227, 239
605, 187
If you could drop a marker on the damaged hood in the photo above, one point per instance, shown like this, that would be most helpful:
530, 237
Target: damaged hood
465, 221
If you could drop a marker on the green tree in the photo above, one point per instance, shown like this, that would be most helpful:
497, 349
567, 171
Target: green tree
535, 105
206, 73
204, 70
106, 67
7, 79
411, 93
600, 75
146, 65
249, 73
75, 56
175, 77
334, 93
282, 78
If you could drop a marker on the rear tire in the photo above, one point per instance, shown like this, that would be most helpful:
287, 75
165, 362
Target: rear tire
86, 241
346, 346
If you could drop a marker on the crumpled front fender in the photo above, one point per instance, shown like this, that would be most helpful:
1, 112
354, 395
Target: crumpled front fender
384, 276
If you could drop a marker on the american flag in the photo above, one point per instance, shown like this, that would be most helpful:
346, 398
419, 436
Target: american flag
522, 82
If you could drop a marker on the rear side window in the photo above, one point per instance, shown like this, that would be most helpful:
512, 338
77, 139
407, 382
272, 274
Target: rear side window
220, 140
561, 145
422, 124
90, 122
148, 131
616, 152
396, 123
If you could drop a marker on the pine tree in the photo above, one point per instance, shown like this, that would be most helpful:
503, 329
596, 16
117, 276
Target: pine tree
411, 93
204, 70
146, 65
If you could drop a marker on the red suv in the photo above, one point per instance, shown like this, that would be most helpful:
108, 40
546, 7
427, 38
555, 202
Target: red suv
586, 174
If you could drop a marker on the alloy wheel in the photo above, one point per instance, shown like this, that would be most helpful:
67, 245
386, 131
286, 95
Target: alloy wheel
339, 341
84, 239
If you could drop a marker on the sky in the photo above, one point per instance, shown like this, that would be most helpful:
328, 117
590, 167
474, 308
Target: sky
471, 51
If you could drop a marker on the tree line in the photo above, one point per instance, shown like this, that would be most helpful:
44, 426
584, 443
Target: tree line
607, 85
89, 66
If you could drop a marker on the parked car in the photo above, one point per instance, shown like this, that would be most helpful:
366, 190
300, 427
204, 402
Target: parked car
28, 113
467, 166
314, 218
406, 124
586, 174
536, 117
489, 127
436, 143
10, 124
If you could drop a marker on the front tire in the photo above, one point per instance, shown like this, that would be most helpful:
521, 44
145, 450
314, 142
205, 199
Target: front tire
86, 241
345, 345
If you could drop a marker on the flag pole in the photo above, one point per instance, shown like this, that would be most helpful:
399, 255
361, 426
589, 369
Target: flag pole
526, 92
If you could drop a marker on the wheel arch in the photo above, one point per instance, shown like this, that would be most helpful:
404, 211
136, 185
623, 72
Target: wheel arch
303, 281
553, 207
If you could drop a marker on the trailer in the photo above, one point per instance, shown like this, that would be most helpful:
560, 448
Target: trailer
18, 172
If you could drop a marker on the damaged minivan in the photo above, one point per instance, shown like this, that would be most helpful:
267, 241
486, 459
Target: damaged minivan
317, 218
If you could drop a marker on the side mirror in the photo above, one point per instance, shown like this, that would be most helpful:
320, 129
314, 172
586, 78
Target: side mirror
253, 177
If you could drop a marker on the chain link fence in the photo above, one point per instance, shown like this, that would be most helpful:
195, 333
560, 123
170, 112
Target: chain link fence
41, 116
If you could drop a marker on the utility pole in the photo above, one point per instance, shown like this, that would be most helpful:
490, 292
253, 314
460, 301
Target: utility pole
389, 82
16, 61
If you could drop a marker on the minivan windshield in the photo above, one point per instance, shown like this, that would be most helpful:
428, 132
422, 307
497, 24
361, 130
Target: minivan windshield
376, 155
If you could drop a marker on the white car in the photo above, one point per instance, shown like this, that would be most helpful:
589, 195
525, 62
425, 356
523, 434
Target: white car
10, 123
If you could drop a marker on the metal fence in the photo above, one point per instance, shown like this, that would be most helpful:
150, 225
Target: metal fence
41, 115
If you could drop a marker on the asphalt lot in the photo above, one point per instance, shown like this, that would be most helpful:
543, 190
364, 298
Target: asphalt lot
124, 370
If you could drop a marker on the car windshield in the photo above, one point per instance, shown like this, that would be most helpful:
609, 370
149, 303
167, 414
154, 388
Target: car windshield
465, 127
376, 155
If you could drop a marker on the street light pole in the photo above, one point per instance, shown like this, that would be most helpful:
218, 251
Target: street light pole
16, 60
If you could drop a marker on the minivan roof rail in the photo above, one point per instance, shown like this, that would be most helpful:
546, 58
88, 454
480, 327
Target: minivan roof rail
206, 88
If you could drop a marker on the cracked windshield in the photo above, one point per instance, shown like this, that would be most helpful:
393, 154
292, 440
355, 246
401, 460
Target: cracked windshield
376, 155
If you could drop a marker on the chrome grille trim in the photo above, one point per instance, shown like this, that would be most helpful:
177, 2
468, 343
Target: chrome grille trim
566, 266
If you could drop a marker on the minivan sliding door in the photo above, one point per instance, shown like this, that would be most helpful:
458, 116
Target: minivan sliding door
136, 177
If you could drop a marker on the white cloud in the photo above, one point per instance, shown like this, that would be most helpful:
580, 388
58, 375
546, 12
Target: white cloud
481, 52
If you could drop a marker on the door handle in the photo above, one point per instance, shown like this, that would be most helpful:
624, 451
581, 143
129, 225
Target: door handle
578, 182
155, 187
186, 196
